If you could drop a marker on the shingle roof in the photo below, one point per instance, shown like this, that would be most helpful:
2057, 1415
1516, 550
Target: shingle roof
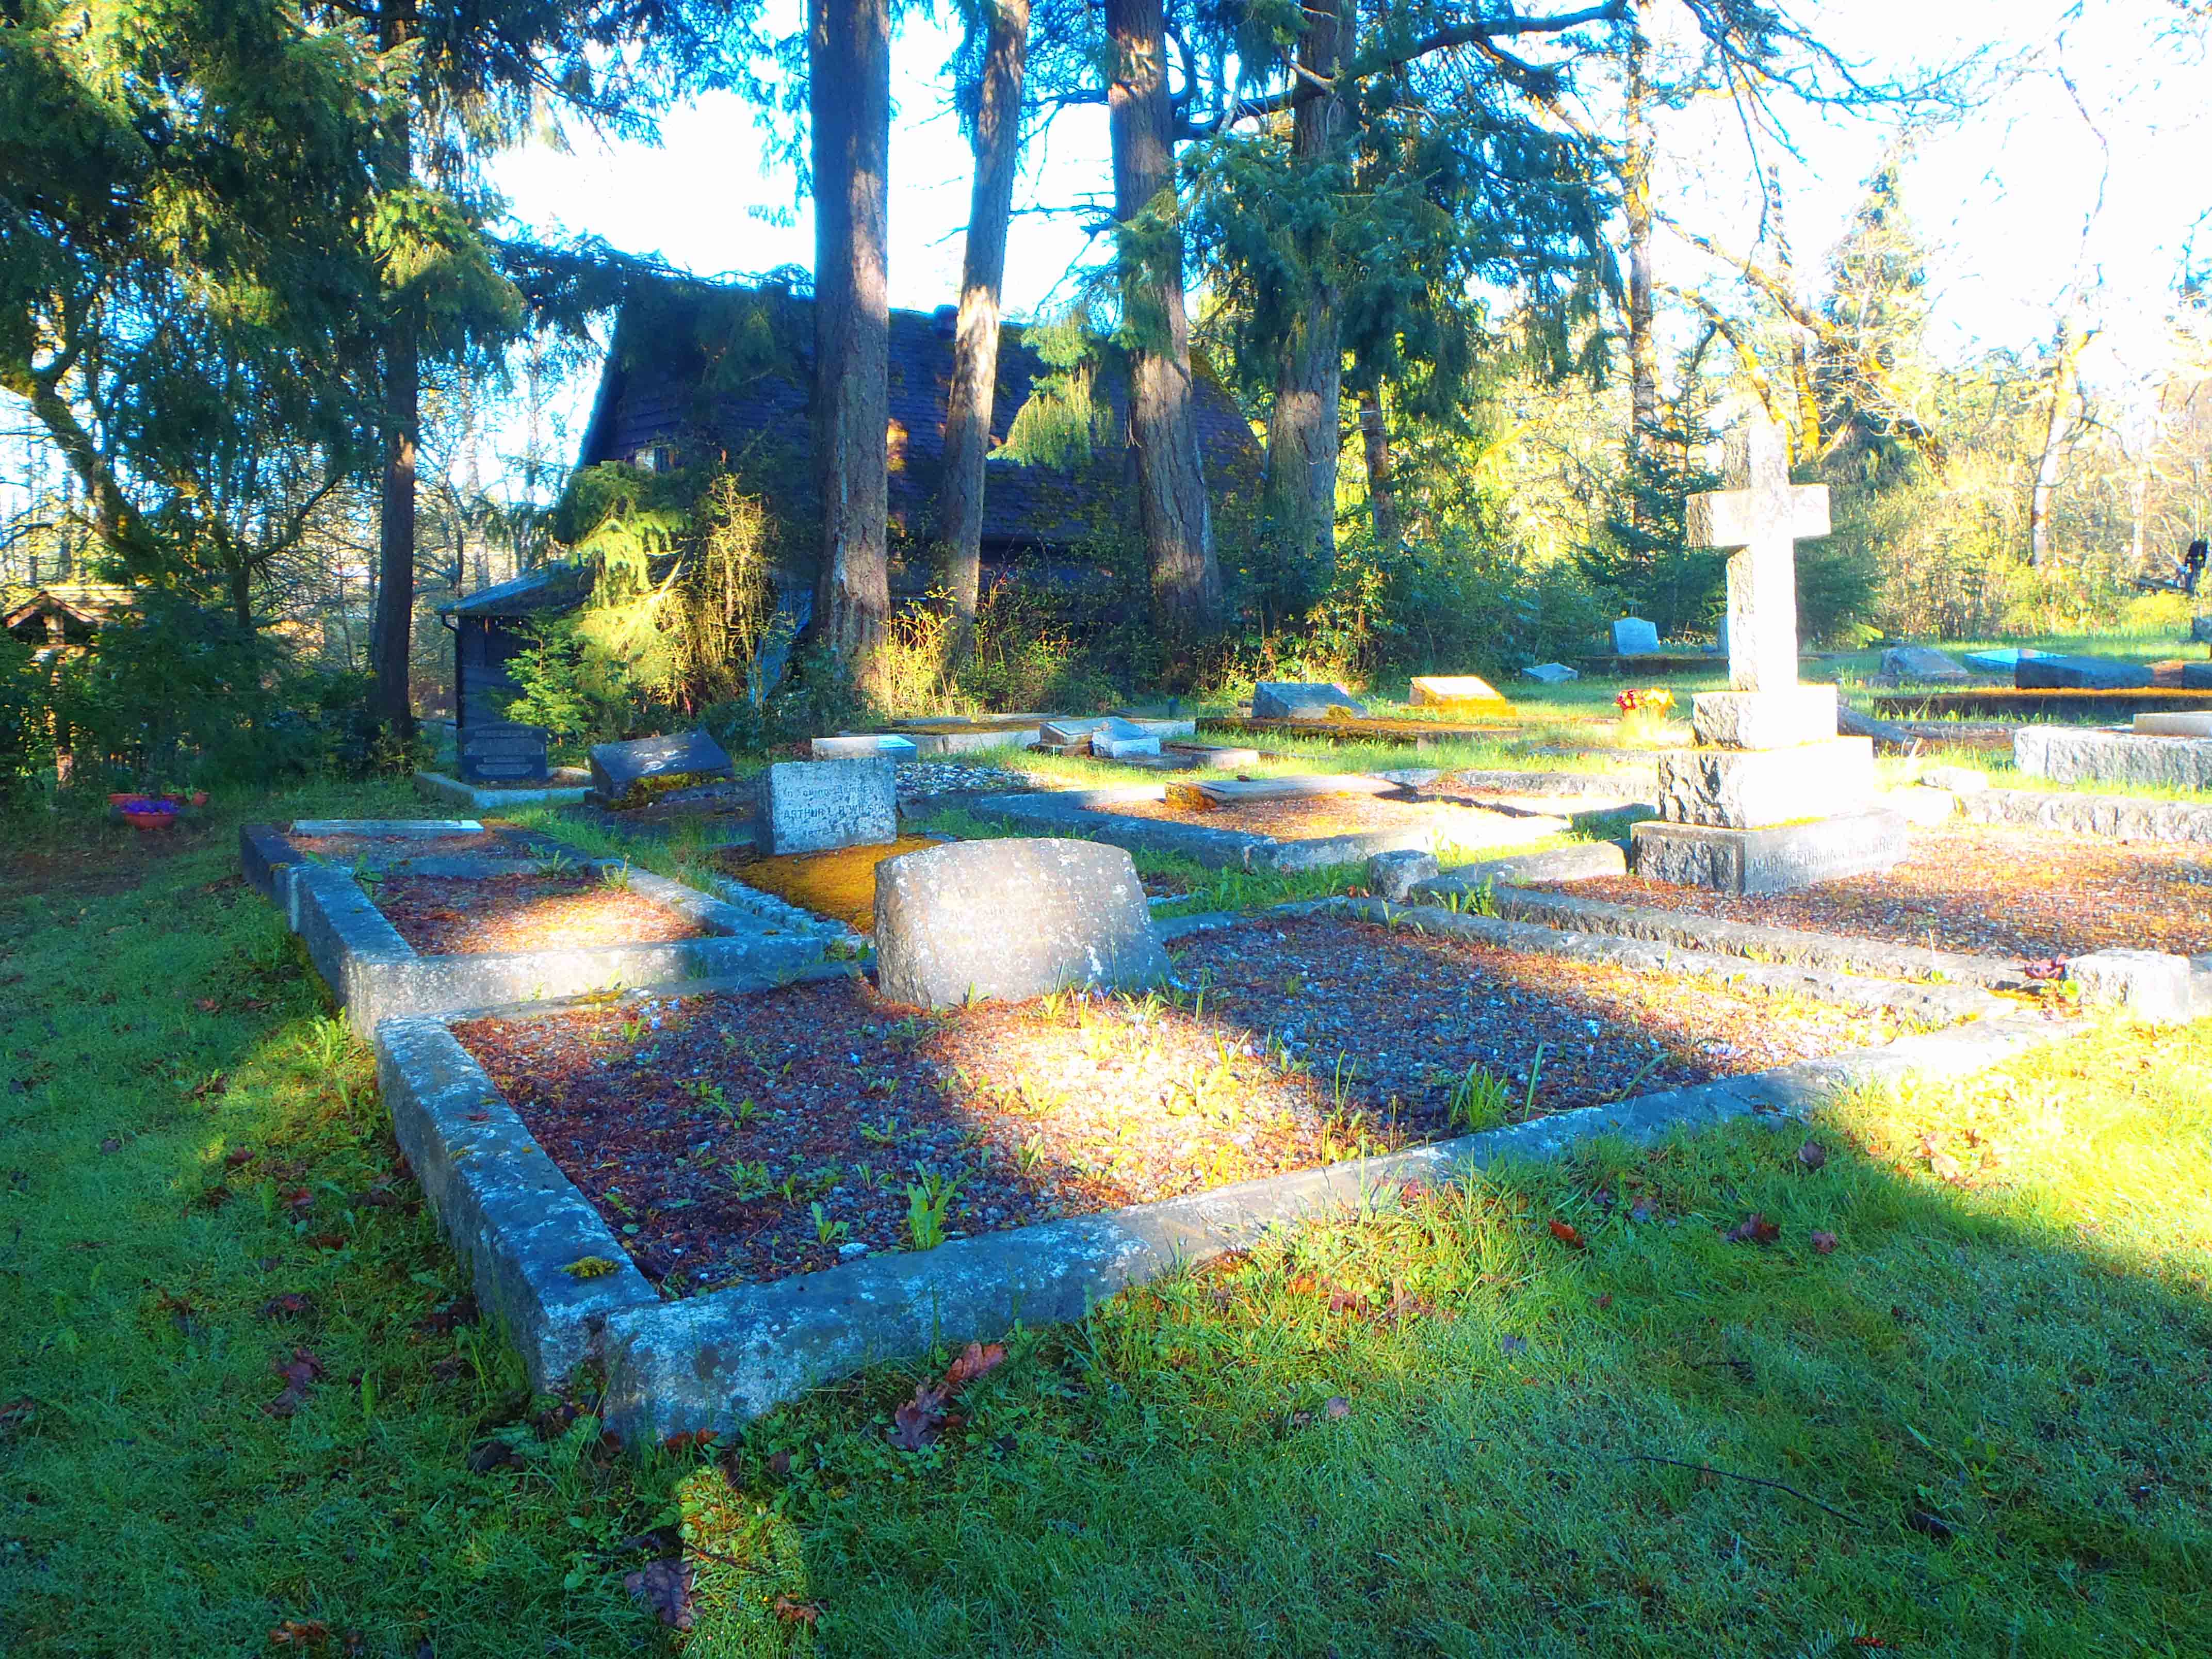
654, 392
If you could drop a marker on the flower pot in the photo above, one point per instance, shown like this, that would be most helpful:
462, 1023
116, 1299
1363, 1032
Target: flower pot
148, 815
199, 798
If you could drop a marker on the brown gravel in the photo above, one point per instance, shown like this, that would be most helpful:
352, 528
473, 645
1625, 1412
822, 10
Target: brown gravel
443, 917
344, 849
707, 1130
1986, 889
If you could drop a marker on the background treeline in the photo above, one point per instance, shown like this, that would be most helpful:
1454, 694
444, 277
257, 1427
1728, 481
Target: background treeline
277, 368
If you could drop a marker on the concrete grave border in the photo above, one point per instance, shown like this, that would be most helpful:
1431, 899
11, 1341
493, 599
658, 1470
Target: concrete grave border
374, 974
1081, 812
2123, 818
714, 1360
439, 785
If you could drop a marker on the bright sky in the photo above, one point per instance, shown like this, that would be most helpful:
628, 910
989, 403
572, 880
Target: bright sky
2002, 191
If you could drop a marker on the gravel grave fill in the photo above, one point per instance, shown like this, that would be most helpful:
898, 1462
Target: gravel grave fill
344, 849
732, 1139
446, 916
1983, 890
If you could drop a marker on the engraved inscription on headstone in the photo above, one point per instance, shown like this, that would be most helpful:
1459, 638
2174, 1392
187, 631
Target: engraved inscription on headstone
503, 752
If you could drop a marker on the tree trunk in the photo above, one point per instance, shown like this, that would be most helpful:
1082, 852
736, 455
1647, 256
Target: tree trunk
976, 346
1382, 493
849, 104
1174, 514
1636, 207
1304, 433
390, 642
2072, 339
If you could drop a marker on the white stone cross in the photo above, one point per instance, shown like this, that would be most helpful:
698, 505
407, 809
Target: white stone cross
1759, 521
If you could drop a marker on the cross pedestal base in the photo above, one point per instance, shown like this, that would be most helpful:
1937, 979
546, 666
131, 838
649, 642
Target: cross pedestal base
1780, 860
1765, 720
1752, 788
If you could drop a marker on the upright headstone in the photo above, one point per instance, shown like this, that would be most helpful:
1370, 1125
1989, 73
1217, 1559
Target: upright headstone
1772, 799
1011, 918
629, 774
814, 806
1284, 699
1632, 636
503, 752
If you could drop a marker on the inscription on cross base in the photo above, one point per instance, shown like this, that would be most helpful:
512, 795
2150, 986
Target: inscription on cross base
1759, 522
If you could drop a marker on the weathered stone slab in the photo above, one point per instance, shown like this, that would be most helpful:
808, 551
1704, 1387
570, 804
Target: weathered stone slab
1765, 720
2148, 984
1959, 779
1999, 659
1632, 636
1011, 918
1778, 859
1235, 792
2121, 817
2073, 757
1753, 788
1434, 688
1588, 860
2197, 676
628, 774
812, 806
566, 785
2200, 630
2174, 725
1393, 875
1551, 673
2042, 673
1921, 662
1202, 753
503, 752
388, 829
1284, 699
1925, 807
887, 746
1117, 740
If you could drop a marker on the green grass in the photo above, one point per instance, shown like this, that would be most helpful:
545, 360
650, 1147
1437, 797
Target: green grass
2020, 1354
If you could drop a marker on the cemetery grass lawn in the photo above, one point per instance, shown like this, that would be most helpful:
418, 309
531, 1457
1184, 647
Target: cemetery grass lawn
1435, 1431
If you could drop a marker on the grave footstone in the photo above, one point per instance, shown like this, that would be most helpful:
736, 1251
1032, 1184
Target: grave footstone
1921, 662
1393, 875
503, 752
1773, 799
1283, 699
1011, 920
2041, 673
1632, 636
814, 806
628, 774
1551, 673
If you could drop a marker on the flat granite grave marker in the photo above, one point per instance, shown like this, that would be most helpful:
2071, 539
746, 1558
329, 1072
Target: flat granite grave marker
816, 806
1921, 662
2041, 673
1773, 800
1283, 699
863, 746
628, 774
1551, 673
1119, 739
503, 752
1451, 690
1632, 636
1011, 918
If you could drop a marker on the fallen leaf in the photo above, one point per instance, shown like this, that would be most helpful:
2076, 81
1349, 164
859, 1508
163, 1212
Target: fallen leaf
1825, 1243
779, 1464
1812, 1155
112, 1143
298, 1199
917, 1422
1336, 1405
2046, 968
290, 1305
1753, 1229
327, 1241
978, 1360
1944, 1167
208, 1005
664, 1587
301, 1633
1641, 1211
239, 1156
1512, 1344
298, 1372
213, 1083
688, 1440
1605, 1301
16, 1414
797, 1612
1567, 1236
488, 1455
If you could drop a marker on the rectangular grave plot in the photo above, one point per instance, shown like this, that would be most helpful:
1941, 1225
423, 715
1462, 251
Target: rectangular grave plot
366, 845
707, 1130
1984, 890
567, 909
